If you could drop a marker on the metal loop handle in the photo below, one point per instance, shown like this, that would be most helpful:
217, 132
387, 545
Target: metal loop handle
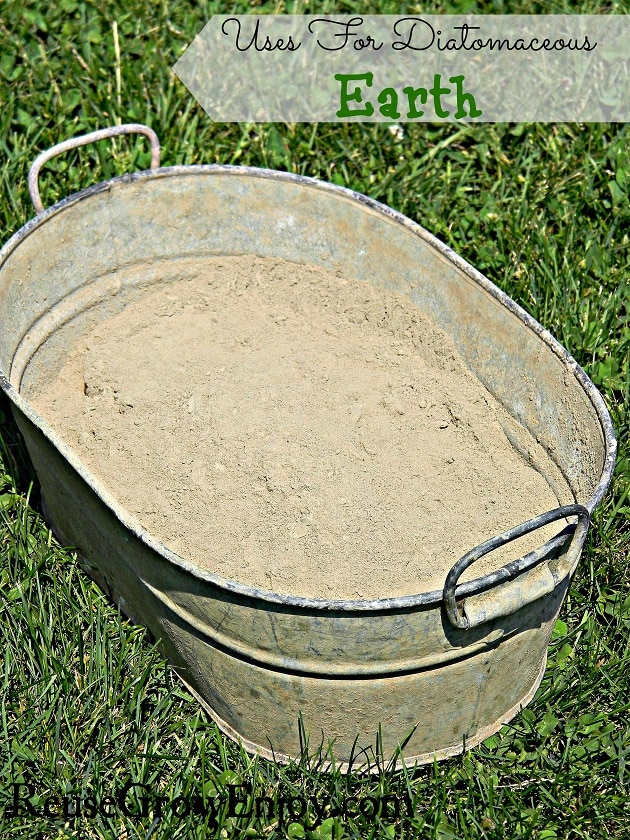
516, 567
83, 140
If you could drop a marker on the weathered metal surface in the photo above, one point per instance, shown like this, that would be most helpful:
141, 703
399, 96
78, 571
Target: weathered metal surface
344, 666
529, 587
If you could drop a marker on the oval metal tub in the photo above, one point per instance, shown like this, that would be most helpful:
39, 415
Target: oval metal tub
443, 669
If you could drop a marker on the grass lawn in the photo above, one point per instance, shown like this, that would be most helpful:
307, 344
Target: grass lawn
87, 701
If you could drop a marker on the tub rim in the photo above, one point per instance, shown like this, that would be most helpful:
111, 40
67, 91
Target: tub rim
404, 602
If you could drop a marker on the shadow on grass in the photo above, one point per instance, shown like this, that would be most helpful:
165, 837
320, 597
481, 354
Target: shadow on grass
14, 457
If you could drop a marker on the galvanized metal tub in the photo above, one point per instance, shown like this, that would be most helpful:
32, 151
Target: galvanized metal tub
447, 667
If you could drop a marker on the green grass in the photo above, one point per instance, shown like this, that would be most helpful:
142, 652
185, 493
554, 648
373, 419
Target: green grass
544, 211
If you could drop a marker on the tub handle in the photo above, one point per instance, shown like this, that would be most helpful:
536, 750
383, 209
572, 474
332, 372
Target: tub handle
83, 140
541, 581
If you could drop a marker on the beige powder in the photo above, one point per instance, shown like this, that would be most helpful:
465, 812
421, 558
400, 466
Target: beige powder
296, 431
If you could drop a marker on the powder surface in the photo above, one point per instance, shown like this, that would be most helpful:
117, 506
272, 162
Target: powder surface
295, 430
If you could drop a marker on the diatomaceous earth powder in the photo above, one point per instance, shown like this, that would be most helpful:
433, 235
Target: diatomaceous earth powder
295, 430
